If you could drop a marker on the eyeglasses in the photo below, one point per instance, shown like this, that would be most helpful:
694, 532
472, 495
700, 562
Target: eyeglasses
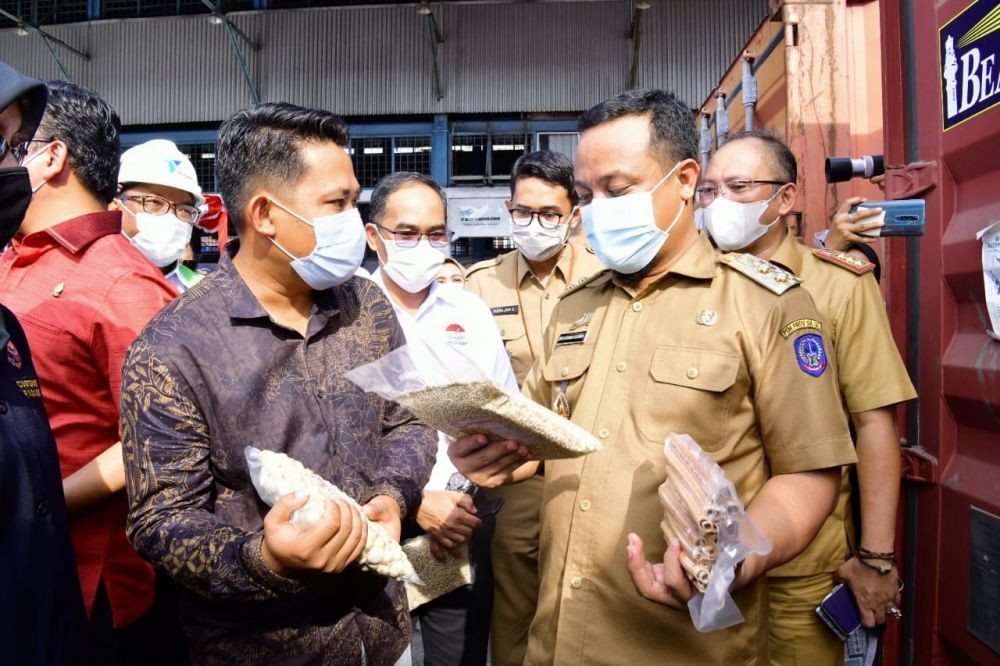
734, 190
155, 205
548, 219
17, 151
407, 239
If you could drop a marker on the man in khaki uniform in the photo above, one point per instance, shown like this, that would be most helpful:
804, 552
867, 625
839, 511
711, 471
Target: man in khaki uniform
522, 288
749, 186
674, 338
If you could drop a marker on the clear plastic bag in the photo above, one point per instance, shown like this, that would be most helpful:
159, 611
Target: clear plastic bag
704, 513
449, 393
275, 475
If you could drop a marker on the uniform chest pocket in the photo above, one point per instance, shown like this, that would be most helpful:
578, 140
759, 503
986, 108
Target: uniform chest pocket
567, 367
510, 327
690, 391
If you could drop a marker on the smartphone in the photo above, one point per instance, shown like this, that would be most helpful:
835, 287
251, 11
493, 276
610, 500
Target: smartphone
839, 612
902, 217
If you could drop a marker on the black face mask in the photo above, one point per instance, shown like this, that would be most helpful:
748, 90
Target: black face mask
15, 195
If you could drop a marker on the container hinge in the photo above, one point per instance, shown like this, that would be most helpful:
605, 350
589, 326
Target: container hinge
906, 182
919, 466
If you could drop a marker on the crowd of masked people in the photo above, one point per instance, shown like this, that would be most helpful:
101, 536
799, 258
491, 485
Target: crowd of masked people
645, 296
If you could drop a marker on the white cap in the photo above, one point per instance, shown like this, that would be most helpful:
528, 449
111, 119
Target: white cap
159, 162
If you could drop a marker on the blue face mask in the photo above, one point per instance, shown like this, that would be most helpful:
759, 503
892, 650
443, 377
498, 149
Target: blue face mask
622, 230
340, 247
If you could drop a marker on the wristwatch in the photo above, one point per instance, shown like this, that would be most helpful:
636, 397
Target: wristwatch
457, 482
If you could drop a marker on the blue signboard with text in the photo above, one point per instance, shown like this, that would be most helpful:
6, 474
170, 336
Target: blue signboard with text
969, 47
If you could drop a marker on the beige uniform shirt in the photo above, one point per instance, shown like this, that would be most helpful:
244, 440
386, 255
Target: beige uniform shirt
522, 306
700, 352
871, 372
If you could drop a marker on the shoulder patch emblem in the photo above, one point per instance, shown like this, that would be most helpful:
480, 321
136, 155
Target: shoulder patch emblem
768, 275
844, 260
800, 324
811, 354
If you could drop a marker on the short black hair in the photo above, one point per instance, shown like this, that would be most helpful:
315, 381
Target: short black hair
782, 159
548, 165
90, 128
264, 142
397, 181
672, 127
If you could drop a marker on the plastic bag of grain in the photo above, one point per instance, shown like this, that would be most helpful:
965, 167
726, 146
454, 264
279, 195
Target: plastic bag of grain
703, 512
439, 578
447, 392
276, 474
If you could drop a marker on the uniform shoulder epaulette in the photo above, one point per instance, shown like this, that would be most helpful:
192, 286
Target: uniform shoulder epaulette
763, 272
485, 263
844, 260
577, 285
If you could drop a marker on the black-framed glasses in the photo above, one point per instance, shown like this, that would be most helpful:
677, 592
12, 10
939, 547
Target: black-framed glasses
547, 219
18, 150
734, 190
154, 205
407, 239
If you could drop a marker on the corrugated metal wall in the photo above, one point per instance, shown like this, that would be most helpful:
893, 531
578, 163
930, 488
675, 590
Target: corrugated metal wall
372, 61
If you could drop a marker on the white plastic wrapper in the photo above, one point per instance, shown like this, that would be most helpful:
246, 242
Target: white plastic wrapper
439, 578
275, 474
449, 393
703, 512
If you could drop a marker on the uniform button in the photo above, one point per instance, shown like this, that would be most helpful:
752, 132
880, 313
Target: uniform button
603, 434
585, 505
621, 366
636, 307
41, 509
576, 582
548, 296
564, 372
692, 373
503, 333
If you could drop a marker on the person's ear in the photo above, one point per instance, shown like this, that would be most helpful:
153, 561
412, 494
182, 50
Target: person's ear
786, 199
688, 175
259, 215
375, 242
53, 160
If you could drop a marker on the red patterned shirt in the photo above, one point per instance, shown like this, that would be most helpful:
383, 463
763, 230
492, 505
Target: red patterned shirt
83, 294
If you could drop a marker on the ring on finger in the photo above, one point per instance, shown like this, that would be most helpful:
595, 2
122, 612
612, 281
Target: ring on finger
894, 611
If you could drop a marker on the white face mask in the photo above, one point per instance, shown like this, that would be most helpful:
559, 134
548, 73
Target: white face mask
161, 238
622, 230
733, 225
340, 248
412, 268
536, 242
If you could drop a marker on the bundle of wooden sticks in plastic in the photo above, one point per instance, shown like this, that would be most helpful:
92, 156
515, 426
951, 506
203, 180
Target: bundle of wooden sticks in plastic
691, 509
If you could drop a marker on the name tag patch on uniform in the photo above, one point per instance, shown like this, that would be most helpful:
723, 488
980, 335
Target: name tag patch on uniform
505, 310
29, 388
571, 338
811, 354
798, 325
13, 356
